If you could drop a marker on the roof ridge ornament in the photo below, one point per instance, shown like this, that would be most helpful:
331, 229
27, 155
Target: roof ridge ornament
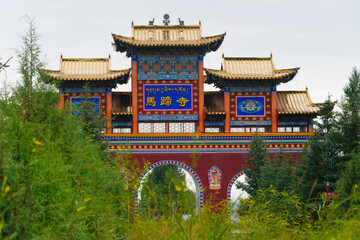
166, 20
181, 22
152, 22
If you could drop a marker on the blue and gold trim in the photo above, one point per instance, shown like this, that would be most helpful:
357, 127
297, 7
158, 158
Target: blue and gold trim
249, 89
191, 117
233, 180
250, 123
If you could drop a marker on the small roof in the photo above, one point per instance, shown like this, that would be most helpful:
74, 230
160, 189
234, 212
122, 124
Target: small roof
167, 36
250, 68
295, 102
88, 69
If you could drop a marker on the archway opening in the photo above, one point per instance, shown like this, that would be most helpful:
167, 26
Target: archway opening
235, 194
168, 187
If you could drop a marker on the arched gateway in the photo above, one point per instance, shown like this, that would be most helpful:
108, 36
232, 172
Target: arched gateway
168, 115
198, 184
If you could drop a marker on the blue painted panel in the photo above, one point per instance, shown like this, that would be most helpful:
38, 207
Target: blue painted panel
168, 67
253, 106
76, 103
161, 97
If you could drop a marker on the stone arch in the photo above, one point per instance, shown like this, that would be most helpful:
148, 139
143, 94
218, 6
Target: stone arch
198, 184
233, 180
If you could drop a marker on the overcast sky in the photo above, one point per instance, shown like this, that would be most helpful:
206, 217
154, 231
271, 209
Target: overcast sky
322, 37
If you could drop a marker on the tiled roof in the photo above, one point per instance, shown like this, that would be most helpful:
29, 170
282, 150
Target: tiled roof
166, 36
214, 102
87, 69
295, 102
121, 103
250, 68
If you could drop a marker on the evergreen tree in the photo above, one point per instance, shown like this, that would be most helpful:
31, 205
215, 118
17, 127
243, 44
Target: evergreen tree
320, 161
258, 157
279, 172
349, 125
350, 177
349, 119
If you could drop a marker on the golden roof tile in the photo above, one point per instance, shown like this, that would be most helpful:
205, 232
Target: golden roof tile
251, 69
86, 69
295, 102
166, 36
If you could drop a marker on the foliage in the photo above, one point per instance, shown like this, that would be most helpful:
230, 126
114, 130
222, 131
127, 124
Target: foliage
164, 190
4, 65
263, 171
350, 177
204, 224
279, 172
349, 119
270, 211
320, 161
258, 156
54, 183
93, 124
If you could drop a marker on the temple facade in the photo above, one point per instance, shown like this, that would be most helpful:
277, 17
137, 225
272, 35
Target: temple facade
168, 118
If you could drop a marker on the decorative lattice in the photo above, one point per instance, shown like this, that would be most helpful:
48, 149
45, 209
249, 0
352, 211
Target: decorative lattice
159, 128
144, 127
189, 127
288, 129
296, 129
212, 130
258, 129
122, 130
281, 129
175, 127
117, 130
237, 129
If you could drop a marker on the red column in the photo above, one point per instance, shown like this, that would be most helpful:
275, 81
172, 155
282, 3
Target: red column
201, 97
310, 128
109, 112
274, 114
61, 101
134, 96
227, 112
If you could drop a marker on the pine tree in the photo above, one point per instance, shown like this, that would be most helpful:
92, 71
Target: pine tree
320, 161
279, 172
258, 157
350, 177
349, 125
349, 119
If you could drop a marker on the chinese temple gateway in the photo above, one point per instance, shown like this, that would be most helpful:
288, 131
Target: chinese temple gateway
167, 117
